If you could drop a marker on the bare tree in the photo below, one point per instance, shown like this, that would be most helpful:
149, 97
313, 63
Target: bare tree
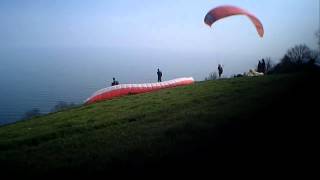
299, 54
32, 113
314, 56
265, 65
212, 76
269, 64
318, 38
61, 105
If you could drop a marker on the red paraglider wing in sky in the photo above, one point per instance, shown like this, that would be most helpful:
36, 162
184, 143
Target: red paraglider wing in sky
226, 11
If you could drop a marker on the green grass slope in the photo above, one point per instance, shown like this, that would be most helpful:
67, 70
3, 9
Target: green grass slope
225, 122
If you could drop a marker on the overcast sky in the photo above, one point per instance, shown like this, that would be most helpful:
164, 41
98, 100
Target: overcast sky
168, 29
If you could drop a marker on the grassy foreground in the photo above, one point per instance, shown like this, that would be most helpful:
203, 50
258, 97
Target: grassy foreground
222, 123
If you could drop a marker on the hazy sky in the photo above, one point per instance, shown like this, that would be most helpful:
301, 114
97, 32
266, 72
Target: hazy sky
64, 50
161, 29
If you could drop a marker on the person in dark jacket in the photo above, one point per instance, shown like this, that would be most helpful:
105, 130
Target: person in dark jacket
159, 73
220, 70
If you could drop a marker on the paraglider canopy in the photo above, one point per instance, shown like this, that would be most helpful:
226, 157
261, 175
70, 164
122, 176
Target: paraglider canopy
227, 10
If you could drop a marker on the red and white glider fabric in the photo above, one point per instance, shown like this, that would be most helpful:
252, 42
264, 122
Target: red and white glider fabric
225, 11
126, 89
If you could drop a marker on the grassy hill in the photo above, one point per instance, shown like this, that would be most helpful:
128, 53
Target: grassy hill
222, 123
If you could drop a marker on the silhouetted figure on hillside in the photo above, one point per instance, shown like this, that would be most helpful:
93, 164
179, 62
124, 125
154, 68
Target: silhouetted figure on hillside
159, 73
220, 70
114, 82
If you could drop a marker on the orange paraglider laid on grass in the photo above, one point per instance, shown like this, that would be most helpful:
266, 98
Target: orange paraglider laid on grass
221, 12
128, 89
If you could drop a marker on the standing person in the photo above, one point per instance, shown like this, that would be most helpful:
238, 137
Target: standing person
220, 70
159, 73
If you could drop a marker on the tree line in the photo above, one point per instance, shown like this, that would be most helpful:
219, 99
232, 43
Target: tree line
297, 58
60, 106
